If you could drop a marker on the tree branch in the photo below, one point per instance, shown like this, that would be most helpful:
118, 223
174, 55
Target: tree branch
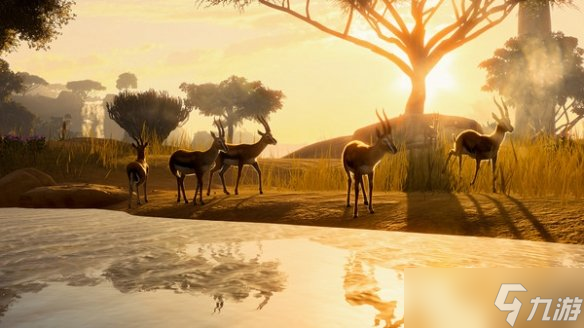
402, 65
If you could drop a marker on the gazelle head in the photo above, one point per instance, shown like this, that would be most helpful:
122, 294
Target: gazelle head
140, 147
384, 135
267, 136
504, 122
219, 141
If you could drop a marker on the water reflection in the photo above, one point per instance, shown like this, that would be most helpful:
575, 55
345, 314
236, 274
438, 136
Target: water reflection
221, 271
96, 268
362, 288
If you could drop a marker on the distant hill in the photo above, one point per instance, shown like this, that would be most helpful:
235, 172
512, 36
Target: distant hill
446, 125
328, 148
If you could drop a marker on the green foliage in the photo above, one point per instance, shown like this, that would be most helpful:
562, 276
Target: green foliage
35, 22
148, 114
10, 82
534, 68
234, 99
126, 81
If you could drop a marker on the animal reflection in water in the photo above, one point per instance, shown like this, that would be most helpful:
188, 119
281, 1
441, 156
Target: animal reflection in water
221, 271
361, 288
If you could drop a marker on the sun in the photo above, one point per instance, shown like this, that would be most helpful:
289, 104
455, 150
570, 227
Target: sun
441, 79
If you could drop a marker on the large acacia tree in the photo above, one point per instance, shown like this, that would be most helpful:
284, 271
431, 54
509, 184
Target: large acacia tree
148, 114
414, 35
234, 99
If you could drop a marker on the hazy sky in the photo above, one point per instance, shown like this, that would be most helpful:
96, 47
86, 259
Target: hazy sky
332, 87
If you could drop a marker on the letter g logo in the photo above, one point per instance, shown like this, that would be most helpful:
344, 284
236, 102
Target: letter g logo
512, 307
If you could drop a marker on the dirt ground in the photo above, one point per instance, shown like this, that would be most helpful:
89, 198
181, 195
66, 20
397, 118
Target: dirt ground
490, 215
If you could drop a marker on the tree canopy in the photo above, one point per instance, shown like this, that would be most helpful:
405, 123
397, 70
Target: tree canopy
83, 87
10, 82
126, 81
34, 22
148, 114
540, 69
414, 35
31, 81
234, 99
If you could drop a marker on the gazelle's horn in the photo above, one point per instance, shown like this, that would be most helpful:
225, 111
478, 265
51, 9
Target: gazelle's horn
387, 122
264, 123
506, 109
381, 121
499, 106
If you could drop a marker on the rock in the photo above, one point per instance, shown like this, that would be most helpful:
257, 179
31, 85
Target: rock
73, 196
15, 183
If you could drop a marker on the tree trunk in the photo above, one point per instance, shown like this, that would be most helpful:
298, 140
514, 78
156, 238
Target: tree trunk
537, 113
230, 130
414, 128
415, 104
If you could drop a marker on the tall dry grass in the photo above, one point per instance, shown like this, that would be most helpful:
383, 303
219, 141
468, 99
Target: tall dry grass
545, 167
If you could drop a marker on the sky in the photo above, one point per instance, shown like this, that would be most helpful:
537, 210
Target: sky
332, 87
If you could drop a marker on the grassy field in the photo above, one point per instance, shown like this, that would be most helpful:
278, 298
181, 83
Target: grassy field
537, 168
541, 183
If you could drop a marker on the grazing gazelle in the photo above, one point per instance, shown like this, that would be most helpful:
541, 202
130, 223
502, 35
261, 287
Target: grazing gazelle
183, 163
138, 172
242, 154
360, 159
482, 146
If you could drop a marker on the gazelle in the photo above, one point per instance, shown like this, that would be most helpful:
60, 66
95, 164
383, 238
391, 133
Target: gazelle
361, 159
138, 172
242, 154
183, 163
482, 146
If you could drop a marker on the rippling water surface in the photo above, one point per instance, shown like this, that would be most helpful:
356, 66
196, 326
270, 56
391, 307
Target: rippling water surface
98, 268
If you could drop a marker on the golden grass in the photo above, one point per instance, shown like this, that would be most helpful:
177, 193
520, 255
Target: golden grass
544, 167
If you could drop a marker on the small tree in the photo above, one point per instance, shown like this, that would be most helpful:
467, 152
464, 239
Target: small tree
31, 81
516, 73
10, 82
126, 81
35, 22
148, 114
84, 87
235, 99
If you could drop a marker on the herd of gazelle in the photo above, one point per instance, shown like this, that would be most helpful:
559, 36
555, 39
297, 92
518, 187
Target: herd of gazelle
359, 159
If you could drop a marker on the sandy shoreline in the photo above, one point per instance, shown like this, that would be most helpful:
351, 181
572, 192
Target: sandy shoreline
487, 215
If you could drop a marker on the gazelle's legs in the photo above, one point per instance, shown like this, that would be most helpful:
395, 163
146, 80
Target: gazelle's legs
178, 189
358, 180
223, 170
370, 178
145, 193
130, 193
447, 160
478, 166
137, 193
494, 169
349, 189
182, 186
200, 186
215, 168
364, 193
257, 168
239, 168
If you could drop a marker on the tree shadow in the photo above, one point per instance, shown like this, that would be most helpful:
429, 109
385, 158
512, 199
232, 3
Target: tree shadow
439, 213
505, 216
534, 221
